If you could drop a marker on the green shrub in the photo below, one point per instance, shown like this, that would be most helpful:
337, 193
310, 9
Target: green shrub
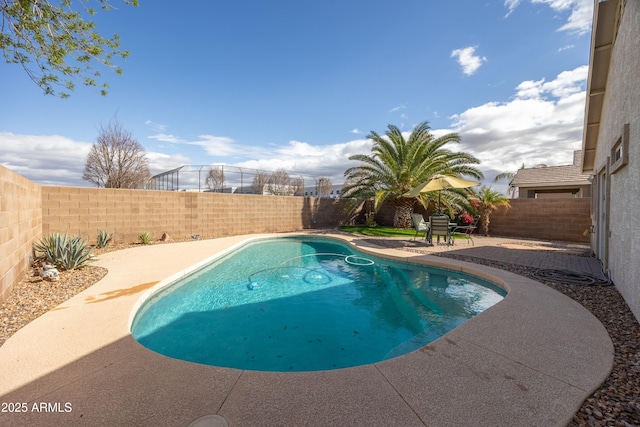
104, 239
66, 253
145, 238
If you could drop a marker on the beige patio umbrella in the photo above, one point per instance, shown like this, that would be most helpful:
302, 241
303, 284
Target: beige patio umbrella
439, 182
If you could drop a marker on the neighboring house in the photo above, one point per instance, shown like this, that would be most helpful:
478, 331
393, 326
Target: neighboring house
611, 143
553, 181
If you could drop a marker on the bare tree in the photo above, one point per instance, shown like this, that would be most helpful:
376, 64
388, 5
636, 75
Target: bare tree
324, 186
297, 188
280, 183
260, 179
117, 160
215, 179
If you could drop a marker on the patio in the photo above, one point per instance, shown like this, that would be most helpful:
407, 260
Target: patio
530, 360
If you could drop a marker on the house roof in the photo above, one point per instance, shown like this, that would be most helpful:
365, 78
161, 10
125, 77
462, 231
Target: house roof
606, 15
550, 176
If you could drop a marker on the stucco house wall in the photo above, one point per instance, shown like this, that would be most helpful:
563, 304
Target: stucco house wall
621, 107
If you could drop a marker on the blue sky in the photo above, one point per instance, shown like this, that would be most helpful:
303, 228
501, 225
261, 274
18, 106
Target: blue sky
299, 84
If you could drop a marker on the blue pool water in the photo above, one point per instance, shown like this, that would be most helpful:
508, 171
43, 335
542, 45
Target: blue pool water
306, 304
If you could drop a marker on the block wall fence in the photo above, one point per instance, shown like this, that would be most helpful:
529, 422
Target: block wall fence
565, 219
127, 213
28, 211
20, 225
561, 218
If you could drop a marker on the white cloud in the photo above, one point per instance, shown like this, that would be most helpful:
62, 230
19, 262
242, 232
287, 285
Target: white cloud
356, 131
580, 17
57, 160
160, 162
511, 5
468, 60
48, 160
219, 146
567, 47
541, 124
397, 108
297, 149
304, 158
215, 146
166, 138
156, 127
566, 83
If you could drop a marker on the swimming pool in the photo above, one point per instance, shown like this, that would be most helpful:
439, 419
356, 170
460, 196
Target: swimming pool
306, 304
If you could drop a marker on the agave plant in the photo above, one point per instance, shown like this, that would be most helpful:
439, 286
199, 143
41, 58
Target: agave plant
66, 253
104, 239
145, 238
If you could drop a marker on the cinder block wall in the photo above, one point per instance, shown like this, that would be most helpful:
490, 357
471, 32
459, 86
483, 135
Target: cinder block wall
127, 213
559, 218
547, 218
20, 226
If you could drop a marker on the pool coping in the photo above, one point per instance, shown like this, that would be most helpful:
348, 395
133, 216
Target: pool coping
531, 359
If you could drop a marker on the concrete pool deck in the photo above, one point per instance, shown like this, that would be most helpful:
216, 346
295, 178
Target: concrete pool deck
530, 360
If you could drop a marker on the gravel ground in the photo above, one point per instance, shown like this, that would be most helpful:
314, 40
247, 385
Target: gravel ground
33, 296
615, 403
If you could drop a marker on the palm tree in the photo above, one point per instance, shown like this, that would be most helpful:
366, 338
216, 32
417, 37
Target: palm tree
396, 165
488, 201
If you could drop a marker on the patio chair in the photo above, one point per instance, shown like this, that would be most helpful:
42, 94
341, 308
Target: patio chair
466, 230
419, 224
439, 226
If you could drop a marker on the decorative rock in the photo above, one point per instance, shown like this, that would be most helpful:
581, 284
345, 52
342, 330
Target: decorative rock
50, 273
165, 237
